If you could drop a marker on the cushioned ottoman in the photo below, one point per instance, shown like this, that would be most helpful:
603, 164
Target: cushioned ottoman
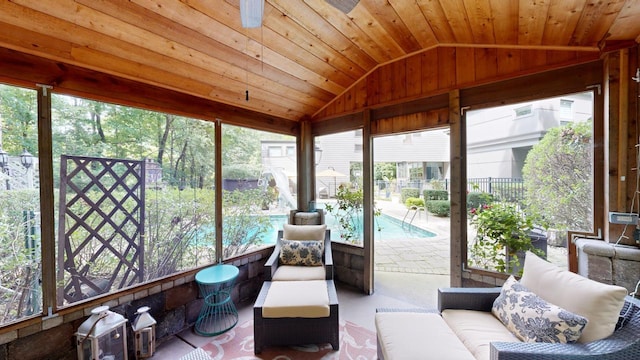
296, 313
417, 335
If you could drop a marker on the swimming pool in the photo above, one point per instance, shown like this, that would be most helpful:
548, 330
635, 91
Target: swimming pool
387, 228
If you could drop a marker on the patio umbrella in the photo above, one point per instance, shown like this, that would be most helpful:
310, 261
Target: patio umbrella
331, 172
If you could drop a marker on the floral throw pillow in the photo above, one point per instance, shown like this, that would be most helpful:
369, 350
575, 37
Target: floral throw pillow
533, 319
301, 252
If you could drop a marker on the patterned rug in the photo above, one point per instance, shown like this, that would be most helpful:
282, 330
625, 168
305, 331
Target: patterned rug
356, 343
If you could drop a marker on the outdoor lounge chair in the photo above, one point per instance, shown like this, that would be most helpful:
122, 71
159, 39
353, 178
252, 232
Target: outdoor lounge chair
275, 271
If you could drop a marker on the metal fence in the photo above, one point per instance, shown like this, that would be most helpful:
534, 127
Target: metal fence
504, 189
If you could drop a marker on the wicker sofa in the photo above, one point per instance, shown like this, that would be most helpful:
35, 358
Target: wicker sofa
463, 328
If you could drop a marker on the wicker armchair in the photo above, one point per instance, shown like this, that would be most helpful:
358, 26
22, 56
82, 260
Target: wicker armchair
624, 343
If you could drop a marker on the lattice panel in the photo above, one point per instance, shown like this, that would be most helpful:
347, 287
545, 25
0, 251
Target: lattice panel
101, 226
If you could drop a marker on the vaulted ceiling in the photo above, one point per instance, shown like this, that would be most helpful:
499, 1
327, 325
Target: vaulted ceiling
307, 52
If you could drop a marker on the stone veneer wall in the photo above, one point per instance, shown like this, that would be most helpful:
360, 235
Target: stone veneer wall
609, 264
174, 302
348, 264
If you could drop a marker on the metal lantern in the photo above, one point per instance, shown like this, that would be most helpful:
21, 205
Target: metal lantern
103, 336
144, 331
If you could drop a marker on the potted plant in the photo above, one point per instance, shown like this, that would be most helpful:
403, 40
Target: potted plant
502, 236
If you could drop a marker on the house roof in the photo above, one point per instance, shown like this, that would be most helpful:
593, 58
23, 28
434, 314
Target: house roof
307, 53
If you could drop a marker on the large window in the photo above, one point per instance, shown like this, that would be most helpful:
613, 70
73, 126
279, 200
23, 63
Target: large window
529, 181
20, 262
135, 193
339, 184
259, 188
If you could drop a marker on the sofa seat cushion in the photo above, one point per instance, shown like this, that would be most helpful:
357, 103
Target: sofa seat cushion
477, 329
299, 273
599, 303
292, 299
417, 336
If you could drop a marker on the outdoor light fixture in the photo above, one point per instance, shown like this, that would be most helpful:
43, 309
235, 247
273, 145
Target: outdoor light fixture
4, 159
144, 332
26, 159
317, 152
102, 336
251, 13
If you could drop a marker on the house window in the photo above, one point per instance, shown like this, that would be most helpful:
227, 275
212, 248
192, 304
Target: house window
523, 110
566, 109
275, 151
291, 151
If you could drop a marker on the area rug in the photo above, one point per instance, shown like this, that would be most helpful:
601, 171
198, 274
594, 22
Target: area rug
356, 343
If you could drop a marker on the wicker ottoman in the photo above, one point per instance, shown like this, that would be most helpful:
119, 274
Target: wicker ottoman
296, 313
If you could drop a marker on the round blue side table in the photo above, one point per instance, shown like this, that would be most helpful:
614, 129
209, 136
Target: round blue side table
218, 313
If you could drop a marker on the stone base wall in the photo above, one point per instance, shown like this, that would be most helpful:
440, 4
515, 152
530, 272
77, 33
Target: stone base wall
609, 264
348, 264
175, 304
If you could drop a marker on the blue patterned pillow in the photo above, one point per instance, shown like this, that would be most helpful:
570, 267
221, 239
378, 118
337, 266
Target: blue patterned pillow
301, 252
532, 319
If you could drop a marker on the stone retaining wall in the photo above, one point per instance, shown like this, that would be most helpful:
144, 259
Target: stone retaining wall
608, 263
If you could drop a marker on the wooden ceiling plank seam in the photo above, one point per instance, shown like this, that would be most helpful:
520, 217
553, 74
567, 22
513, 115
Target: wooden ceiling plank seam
562, 20
595, 20
327, 61
626, 24
21, 38
433, 12
377, 35
206, 63
531, 24
414, 20
456, 15
480, 20
197, 38
306, 16
393, 25
486, 62
351, 27
506, 19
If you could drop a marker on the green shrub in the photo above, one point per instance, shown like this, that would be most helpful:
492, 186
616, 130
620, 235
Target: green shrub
412, 201
476, 199
408, 193
440, 208
436, 195
241, 172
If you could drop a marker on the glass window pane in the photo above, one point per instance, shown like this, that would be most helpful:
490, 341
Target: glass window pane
259, 189
536, 172
339, 185
20, 262
122, 226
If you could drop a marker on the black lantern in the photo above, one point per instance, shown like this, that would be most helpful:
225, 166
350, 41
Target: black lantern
4, 159
26, 159
317, 153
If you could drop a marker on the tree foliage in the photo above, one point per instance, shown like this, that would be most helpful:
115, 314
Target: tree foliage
558, 176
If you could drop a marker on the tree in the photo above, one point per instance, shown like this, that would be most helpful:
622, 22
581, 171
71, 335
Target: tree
558, 177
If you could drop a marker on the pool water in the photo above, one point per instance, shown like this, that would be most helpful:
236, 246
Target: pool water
386, 228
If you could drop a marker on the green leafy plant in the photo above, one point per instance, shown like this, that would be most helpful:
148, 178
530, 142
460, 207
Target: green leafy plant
439, 208
348, 211
502, 232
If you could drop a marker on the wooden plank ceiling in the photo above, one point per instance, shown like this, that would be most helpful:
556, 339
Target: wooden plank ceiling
306, 53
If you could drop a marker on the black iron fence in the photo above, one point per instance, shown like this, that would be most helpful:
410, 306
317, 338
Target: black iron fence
503, 189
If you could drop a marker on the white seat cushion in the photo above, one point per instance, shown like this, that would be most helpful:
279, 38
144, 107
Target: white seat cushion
299, 273
477, 329
305, 299
599, 303
417, 336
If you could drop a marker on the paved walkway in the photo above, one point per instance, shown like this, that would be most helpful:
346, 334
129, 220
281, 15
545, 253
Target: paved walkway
426, 255
419, 255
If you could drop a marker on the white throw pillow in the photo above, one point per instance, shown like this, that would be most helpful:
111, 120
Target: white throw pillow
599, 303
533, 319
304, 232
